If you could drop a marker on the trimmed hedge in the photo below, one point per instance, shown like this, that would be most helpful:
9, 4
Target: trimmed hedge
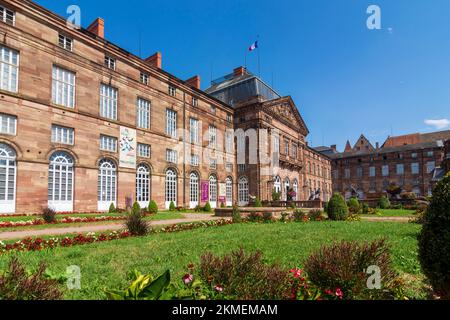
337, 208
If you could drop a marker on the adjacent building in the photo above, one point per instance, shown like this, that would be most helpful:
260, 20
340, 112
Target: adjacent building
414, 162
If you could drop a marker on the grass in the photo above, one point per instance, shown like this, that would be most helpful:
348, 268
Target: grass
160, 216
393, 213
105, 265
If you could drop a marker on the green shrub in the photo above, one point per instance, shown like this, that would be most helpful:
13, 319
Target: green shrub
245, 276
172, 206
198, 208
222, 205
276, 196
365, 208
316, 215
267, 217
325, 206
337, 208
207, 207
300, 216
255, 217
434, 239
353, 205
384, 203
258, 203
237, 218
136, 208
49, 215
112, 208
19, 284
343, 265
136, 225
284, 217
353, 217
152, 207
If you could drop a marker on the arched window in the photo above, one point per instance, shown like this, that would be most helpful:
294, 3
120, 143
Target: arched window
143, 185
229, 188
213, 191
243, 191
7, 179
193, 190
171, 187
287, 186
295, 187
277, 184
60, 182
107, 184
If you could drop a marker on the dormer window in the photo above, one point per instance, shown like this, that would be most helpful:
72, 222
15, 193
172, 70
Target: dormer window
7, 16
110, 63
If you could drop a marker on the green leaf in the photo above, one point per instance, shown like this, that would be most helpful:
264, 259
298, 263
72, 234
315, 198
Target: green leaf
115, 295
154, 290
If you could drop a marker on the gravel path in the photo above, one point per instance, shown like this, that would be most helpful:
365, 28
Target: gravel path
98, 228
387, 219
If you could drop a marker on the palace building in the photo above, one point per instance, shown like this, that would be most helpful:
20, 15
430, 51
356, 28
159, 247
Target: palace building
84, 123
414, 162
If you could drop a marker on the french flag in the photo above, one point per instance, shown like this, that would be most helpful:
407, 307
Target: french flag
254, 46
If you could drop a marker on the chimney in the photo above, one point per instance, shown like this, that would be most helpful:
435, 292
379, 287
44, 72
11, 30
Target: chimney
239, 71
334, 147
377, 145
155, 60
98, 28
194, 82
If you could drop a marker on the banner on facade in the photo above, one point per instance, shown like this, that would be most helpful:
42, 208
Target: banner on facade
222, 192
204, 186
127, 145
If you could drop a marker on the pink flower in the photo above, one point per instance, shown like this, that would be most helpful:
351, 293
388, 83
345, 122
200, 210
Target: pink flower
339, 293
218, 288
297, 272
188, 278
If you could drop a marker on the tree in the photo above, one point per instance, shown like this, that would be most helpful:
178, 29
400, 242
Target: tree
152, 207
384, 203
434, 239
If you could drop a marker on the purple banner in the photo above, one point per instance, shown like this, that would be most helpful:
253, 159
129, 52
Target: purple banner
204, 186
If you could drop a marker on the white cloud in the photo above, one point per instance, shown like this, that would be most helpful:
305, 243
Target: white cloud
438, 123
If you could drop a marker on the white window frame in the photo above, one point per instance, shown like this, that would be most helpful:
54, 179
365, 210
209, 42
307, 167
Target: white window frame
372, 172
63, 135
8, 175
9, 69
171, 123
213, 187
8, 124
63, 87
144, 150
61, 182
385, 171
143, 185
171, 187
108, 101
143, 114
194, 160
212, 137
431, 165
172, 91
194, 132
144, 78
194, 186
110, 62
229, 191
4, 16
108, 143
415, 168
171, 156
65, 42
107, 185
400, 168
243, 192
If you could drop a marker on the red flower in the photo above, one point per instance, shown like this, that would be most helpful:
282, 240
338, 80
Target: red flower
339, 293
297, 273
218, 288
188, 278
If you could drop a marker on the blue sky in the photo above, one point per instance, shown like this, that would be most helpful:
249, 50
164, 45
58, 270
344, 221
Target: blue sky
345, 79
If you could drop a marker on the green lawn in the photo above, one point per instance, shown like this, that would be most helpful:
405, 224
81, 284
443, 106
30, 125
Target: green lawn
165, 215
393, 213
106, 264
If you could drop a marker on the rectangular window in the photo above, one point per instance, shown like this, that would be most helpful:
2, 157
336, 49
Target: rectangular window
194, 102
108, 143
229, 167
171, 123
414, 155
415, 169
430, 154
8, 124
347, 173
213, 109
62, 135
65, 42
385, 171
144, 150
294, 151
9, 69
63, 87
359, 172
336, 174
242, 167
144, 78
286, 147
194, 130
213, 164
195, 160
212, 136
171, 156
172, 91
372, 171
143, 113
400, 169
373, 186
229, 118
108, 102
7, 16
431, 165
110, 63
229, 141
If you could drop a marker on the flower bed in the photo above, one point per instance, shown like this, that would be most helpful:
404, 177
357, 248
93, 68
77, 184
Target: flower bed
12, 215
66, 220
39, 244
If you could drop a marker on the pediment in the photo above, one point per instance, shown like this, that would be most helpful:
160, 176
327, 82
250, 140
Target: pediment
286, 111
